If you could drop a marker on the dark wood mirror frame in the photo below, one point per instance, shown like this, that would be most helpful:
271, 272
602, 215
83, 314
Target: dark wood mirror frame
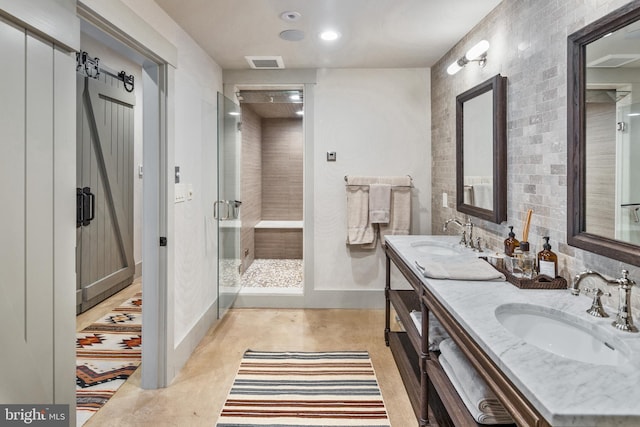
498, 85
576, 127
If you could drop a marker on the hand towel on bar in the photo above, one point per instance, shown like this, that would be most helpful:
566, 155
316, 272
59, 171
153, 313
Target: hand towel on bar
379, 203
400, 215
481, 402
458, 268
359, 230
436, 332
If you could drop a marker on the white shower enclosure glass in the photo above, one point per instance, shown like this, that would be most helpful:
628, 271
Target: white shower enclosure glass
227, 207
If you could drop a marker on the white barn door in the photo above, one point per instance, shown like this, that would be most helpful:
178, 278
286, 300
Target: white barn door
36, 219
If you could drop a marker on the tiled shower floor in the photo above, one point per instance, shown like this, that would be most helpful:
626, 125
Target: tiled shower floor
273, 273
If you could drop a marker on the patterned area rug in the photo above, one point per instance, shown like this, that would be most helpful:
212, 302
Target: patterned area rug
107, 353
304, 389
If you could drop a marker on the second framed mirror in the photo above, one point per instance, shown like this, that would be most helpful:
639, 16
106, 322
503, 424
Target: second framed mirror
481, 150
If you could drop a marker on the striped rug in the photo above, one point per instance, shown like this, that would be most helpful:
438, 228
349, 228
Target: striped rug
337, 388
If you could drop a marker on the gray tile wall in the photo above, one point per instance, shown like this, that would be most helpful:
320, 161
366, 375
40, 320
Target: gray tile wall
282, 169
271, 182
529, 46
250, 182
273, 243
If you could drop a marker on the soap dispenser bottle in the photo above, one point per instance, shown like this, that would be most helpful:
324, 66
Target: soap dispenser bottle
510, 243
547, 260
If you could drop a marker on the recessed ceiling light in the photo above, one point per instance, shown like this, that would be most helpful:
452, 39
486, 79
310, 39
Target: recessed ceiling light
290, 16
292, 35
329, 35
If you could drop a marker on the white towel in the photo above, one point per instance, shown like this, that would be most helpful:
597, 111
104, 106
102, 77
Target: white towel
400, 216
483, 196
359, 230
458, 268
379, 203
437, 334
481, 402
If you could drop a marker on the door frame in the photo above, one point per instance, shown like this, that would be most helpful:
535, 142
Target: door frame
118, 23
307, 79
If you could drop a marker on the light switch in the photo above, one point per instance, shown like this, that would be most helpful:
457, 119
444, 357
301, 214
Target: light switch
444, 200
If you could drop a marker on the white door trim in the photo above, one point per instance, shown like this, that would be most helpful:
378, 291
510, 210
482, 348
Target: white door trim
116, 20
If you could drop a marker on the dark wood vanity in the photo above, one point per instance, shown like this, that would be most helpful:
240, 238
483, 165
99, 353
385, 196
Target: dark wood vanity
433, 397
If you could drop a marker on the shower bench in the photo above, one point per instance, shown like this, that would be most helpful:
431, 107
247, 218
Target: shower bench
278, 239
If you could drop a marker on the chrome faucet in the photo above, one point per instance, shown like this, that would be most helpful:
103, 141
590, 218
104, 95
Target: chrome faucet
467, 238
624, 318
463, 236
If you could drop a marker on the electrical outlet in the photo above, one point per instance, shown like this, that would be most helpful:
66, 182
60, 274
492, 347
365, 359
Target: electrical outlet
445, 203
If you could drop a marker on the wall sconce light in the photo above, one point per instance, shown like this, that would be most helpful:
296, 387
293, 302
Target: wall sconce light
477, 53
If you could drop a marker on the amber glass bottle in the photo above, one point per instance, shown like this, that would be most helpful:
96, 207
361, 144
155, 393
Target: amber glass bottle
510, 243
547, 260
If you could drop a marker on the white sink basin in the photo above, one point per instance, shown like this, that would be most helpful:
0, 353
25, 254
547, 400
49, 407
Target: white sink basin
431, 247
561, 334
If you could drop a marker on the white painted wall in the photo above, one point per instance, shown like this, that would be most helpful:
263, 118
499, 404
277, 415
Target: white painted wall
196, 81
378, 122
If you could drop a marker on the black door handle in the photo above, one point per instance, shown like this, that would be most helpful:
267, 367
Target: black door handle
79, 207
88, 206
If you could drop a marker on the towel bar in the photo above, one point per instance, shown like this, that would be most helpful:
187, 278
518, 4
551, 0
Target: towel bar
394, 186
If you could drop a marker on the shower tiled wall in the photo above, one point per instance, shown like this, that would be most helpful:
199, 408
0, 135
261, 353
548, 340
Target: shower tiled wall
271, 182
250, 182
529, 46
282, 169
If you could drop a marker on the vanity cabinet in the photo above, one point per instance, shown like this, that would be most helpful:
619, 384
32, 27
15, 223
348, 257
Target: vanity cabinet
433, 397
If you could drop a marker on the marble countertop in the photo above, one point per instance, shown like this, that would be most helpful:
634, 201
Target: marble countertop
565, 392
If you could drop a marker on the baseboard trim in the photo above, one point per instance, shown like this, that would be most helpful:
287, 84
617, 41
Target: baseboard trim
138, 270
370, 299
185, 348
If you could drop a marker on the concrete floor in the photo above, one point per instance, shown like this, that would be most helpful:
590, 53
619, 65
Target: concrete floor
197, 394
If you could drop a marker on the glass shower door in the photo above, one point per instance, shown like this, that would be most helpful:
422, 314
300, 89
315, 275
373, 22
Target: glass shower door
628, 175
227, 207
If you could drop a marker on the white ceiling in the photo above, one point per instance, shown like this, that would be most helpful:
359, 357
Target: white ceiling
375, 33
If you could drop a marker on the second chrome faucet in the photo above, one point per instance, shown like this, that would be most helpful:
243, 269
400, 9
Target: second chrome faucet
624, 318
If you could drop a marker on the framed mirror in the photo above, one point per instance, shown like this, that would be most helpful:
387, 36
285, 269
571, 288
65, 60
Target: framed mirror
481, 150
603, 164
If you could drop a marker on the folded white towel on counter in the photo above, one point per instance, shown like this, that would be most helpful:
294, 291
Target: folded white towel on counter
481, 402
436, 332
458, 268
379, 203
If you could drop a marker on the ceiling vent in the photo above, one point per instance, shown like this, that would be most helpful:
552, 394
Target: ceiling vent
265, 62
613, 61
